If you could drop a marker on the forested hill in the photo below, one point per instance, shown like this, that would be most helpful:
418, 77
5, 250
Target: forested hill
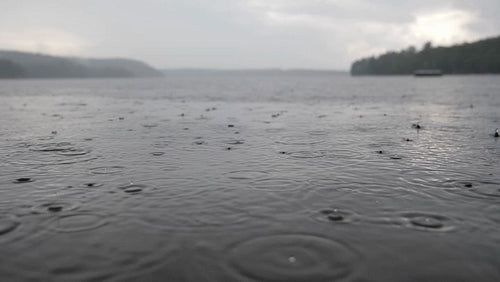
15, 64
478, 57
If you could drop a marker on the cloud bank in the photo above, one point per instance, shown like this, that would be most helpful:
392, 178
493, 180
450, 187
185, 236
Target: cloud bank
318, 34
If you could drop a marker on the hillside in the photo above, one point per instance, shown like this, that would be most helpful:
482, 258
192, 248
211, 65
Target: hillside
469, 58
15, 64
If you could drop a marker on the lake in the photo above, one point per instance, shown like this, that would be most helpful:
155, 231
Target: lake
250, 177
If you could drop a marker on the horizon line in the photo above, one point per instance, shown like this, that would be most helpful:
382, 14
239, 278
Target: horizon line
274, 69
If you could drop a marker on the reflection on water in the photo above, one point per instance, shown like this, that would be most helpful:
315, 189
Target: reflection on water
214, 179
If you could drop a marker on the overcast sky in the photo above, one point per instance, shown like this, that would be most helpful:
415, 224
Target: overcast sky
317, 34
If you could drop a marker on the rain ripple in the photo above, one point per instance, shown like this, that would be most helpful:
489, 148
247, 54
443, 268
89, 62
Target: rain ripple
50, 154
474, 189
292, 257
77, 222
334, 215
427, 222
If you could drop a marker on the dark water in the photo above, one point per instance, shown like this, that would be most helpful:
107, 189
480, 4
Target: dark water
260, 178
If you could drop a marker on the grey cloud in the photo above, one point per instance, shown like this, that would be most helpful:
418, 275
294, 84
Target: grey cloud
230, 33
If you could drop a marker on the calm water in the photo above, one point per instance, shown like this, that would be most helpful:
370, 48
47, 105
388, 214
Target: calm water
257, 178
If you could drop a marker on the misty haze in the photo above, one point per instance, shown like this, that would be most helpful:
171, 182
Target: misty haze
250, 140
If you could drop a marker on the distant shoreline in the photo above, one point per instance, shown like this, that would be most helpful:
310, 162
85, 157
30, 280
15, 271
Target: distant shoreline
15, 64
480, 57
202, 73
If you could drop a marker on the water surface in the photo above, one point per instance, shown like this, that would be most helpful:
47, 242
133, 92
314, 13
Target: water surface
250, 178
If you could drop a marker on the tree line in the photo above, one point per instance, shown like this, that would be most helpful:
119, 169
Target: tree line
479, 57
15, 64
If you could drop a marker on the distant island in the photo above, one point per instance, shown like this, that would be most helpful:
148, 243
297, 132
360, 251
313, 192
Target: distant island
14, 64
480, 57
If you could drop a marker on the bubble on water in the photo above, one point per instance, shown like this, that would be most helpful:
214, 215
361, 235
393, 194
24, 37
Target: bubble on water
158, 154
292, 257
